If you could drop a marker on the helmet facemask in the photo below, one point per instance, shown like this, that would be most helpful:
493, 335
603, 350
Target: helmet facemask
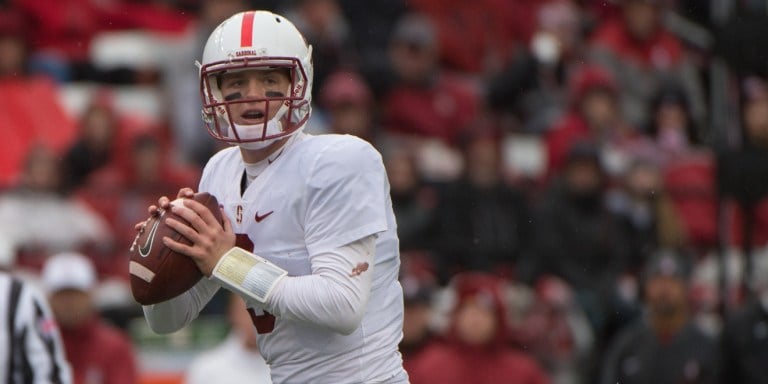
293, 111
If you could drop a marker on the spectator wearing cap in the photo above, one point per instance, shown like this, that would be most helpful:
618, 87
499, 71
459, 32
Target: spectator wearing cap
665, 346
348, 101
745, 335
424, 101
97, 352
476, 348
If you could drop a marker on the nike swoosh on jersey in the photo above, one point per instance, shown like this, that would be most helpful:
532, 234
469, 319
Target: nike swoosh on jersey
262, 217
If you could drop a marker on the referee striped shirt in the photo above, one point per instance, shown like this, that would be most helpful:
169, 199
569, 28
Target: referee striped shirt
31, 349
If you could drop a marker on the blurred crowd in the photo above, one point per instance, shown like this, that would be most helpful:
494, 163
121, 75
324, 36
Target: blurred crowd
580, 186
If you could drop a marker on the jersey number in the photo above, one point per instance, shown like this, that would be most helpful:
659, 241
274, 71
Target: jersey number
264, 323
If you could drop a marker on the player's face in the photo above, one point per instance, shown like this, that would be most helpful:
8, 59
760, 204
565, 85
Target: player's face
254, 84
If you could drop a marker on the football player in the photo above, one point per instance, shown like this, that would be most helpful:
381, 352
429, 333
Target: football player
309, 239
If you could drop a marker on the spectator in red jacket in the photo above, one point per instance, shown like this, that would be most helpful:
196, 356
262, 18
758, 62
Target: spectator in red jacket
476, 348
594, 115
424, 101
97, 352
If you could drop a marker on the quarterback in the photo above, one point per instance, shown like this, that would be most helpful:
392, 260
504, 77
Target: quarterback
309, 238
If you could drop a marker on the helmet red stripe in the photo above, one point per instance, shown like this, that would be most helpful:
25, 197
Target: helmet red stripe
246, 31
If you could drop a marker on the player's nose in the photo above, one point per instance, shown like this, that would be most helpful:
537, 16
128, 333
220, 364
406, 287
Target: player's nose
255, 89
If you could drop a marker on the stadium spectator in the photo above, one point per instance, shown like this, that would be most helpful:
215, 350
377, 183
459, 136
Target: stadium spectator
664, 346
349, 107
98, 352
642, 55
551, 326
413, 200
481, 223
424, 101
476, 348
237, 359
532, 87
577, 238
593, 115
95, 144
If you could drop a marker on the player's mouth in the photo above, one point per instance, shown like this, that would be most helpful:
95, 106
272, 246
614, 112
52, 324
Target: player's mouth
252, 115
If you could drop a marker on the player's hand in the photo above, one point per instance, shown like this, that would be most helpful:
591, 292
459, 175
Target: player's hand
210, 240
164, 203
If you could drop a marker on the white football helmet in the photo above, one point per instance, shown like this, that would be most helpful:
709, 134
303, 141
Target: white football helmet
256, 40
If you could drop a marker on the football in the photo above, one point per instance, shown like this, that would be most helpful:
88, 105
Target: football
156, 272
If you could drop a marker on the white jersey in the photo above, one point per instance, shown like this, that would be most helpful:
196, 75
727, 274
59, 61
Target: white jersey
321, 193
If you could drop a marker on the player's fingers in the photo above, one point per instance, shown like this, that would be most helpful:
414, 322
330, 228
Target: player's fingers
164, 202
203, 212
183, 229
178, 247
185, 192
193, 252
191, 216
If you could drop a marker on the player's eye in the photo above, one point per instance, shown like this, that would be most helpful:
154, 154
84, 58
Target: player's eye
233, 83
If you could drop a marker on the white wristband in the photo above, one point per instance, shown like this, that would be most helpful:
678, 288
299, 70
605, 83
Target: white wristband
248, 274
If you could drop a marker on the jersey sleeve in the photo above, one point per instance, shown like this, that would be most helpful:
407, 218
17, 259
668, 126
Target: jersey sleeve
174, 314
346, 196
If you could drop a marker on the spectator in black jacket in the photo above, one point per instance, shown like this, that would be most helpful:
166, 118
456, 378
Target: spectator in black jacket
578, 239
482, 222
665, 346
